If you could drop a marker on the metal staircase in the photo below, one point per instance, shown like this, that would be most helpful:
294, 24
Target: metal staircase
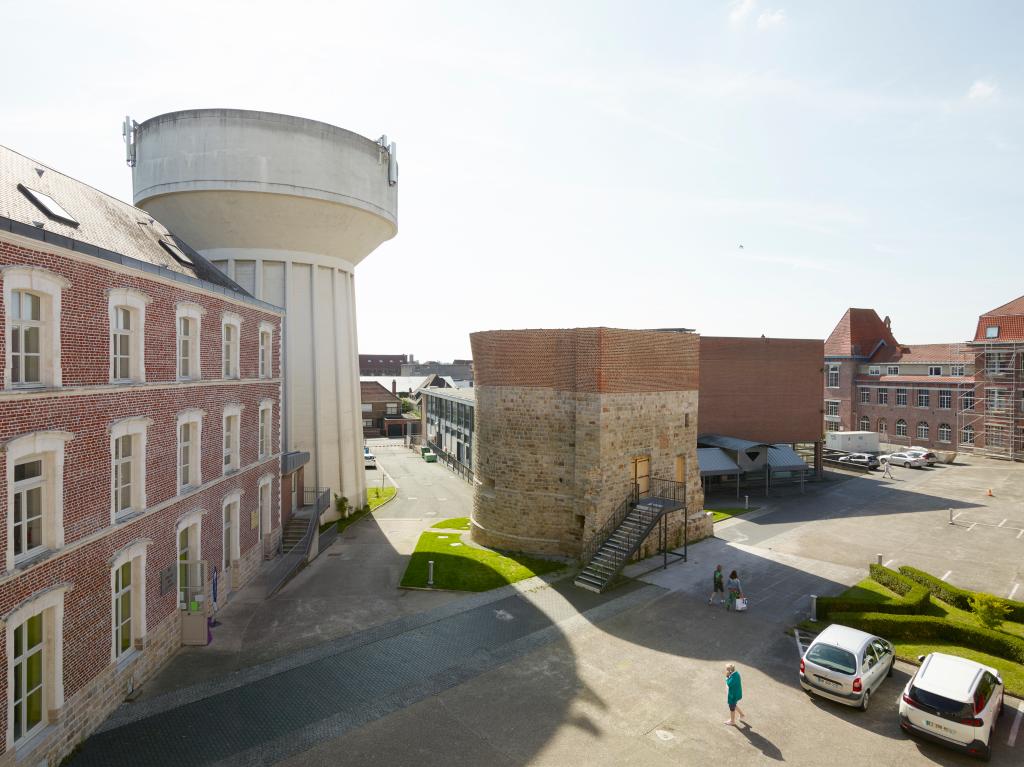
612, 547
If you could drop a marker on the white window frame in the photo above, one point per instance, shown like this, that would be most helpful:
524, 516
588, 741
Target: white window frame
135, 428
266, 427
906, 396
992, 331
865, 423
874, 370
48, 446
956, 370
923, 430
924, 398
230, 343
945, 396
230, 515
231, 454
193, 313
882, 427
393, 408
266, 349
134, 554
367, 407
265, 505
367, 423
865, 395
49, 287
192, 416
50, 604
831, 370
967, 435
948, 430
935, 370
892, 370
883, 395
901, 424
193, 523
134, 302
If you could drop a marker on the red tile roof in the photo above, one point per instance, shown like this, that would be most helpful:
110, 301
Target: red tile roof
918, 353
858, 334
1011, 328
1016, 306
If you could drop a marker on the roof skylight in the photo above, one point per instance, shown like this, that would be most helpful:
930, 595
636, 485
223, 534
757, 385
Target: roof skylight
48, 205
178, 253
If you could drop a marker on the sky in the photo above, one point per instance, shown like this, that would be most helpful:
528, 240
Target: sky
741, 168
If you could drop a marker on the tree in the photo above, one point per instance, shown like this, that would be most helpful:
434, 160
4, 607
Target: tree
991, 611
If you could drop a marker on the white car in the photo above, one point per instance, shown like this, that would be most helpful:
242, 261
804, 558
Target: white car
953, 701
929, 457
369, 459
846, 665
906, 460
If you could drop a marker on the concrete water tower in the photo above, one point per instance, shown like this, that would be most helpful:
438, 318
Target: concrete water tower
287, 207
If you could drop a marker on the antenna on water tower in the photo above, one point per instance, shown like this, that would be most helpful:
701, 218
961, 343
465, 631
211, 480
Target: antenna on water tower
392, 164
128, 129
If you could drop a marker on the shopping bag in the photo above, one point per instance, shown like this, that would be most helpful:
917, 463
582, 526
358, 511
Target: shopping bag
741, 604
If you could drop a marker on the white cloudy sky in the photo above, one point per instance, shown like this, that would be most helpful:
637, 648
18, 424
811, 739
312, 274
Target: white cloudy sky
589, 163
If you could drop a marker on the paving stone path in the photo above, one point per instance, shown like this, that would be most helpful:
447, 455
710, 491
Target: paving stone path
269, 712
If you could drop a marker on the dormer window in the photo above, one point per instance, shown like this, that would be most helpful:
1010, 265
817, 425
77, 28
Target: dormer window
992, 331
48, 205
176, 252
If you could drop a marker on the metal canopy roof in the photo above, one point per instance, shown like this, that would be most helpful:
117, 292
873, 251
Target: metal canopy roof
729, 443
714, 462
784, 458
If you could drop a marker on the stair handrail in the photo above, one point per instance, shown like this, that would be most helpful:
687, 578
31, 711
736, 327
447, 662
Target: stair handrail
611, 524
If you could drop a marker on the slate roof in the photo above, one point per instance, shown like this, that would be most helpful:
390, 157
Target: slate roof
714, 462
729, 443
371, 391
784, 458
104, 222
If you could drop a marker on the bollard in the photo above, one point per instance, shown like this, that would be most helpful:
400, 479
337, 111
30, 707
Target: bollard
430, 572
746, 503
950, 516
879, 559
814, 607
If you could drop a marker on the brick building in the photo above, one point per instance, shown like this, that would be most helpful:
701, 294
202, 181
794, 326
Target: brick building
911, 394
378, 405
139, 427
569, 422
382, 364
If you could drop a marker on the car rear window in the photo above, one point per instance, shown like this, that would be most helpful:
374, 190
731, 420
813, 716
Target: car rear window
833, 658
940, 705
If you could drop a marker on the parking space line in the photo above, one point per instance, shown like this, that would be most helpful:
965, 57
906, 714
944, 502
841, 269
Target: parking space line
889, 563
1002, 523
973, 524
948, 573
1020, 533
1013, 590
1012, 740
957, 514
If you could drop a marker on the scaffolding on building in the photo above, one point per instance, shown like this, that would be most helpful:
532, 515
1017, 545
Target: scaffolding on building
990, 419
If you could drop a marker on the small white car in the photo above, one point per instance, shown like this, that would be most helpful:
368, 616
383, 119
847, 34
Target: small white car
846, 665
906, 460
953, 701
369, 459
929, 457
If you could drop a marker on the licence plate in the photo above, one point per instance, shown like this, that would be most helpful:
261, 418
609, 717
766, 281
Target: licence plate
830, 682
939, 726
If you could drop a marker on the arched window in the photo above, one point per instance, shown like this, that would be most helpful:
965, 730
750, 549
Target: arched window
922, 430
901, 428
865, 423
882, 426
967, 435
945, 433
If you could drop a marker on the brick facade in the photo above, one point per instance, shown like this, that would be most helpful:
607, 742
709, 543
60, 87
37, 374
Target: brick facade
85, 406
560, 417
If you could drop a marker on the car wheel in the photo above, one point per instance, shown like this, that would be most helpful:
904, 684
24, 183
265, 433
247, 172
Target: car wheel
865, 700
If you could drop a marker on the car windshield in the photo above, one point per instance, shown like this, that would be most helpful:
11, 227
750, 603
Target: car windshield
833, 658
940, 705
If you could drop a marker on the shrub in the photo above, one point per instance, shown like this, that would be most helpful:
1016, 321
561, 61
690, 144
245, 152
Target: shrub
958, 597
921, 628
991, 611
914, 594
913, 598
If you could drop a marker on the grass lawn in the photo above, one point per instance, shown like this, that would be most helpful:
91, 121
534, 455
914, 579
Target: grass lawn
466, 568
871, 590
375, 496
725, 512
455, 523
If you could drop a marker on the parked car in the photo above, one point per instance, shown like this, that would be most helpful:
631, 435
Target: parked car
846, 665
953, 701
861, 459
929, 457
369, 459
907, 460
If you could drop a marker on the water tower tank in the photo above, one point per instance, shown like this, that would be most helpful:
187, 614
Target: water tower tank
287, 207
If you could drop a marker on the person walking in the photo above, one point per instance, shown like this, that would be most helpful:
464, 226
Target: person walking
886, 470
718, 585
735, 590
734, 685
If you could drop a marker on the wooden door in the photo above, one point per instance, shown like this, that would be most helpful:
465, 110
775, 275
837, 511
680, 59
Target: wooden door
642, 474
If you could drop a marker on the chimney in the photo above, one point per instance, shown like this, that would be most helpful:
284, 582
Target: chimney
394, 386
888, 322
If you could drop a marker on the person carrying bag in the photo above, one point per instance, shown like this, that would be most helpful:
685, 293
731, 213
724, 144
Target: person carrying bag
734, 588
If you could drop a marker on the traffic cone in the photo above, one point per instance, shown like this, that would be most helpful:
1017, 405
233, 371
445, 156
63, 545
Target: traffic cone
989, 493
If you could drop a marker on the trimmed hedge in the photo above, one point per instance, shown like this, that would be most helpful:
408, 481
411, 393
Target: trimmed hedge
958, 597
920, 628
913, 600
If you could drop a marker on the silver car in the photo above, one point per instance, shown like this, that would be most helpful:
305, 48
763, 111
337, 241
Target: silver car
906, 460
846, 665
